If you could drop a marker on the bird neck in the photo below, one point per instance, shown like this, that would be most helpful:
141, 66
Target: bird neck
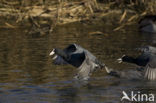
130, 59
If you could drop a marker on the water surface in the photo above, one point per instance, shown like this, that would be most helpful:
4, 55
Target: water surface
27, 74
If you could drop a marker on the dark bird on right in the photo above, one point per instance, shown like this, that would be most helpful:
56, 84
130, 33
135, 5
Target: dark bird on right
148, 24
143, 73
146, 61
148, 54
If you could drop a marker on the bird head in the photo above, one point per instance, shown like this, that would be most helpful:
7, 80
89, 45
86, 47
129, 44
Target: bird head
53, 52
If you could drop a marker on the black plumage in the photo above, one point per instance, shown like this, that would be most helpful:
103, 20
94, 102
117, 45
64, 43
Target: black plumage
78, 57
148, 55
146, 61
148, 24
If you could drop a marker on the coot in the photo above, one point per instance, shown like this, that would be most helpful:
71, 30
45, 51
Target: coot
148, 24
78, 57
148, 55
146, 61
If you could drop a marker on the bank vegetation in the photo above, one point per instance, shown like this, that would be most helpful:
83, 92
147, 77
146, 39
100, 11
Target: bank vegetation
44, 15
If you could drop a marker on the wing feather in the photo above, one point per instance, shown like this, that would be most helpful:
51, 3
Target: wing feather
87, 67
150, 73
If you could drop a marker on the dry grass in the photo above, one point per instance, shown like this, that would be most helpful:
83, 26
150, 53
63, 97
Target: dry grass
65, 11
47, 12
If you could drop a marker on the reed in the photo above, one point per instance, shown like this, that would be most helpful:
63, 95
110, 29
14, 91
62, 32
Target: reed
58, 12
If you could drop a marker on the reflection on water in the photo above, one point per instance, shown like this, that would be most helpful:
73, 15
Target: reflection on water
27, 74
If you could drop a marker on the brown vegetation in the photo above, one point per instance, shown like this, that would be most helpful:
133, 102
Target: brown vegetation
49, 13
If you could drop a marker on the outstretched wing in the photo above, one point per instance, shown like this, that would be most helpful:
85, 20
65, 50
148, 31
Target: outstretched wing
150, 72
58, 60
86, 68
150, 69
147, 49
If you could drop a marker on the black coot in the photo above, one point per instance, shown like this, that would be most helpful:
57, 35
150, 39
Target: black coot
146, 61
148, 24
79, 58
148, 54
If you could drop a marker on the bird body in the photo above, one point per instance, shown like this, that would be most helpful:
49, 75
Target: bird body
146, 61
148, 56
130, 74
148, 24
151, 28
147, 49
78, 57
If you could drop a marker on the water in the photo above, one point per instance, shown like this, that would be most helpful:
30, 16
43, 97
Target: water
27, 74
